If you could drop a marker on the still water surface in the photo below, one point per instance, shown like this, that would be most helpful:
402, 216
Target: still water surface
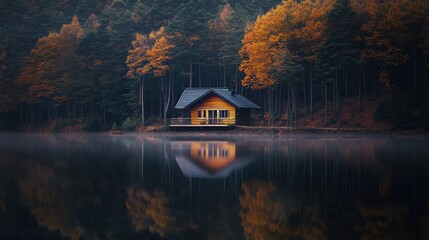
96, 186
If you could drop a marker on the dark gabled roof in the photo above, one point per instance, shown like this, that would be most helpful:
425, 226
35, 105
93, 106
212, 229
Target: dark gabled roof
193, 95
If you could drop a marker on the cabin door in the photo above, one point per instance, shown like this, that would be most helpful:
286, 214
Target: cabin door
212, 116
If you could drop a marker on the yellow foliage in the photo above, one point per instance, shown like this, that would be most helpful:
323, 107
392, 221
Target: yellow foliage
294, 29
150, 54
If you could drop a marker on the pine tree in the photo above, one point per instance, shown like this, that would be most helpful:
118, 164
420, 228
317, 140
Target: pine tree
340, 50
190, 24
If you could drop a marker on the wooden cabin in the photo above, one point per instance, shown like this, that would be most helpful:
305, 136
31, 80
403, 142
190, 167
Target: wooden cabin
212, 107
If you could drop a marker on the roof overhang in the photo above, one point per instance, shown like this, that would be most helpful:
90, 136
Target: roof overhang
213, 91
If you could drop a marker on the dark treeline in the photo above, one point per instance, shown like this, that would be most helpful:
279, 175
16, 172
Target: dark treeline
100, 64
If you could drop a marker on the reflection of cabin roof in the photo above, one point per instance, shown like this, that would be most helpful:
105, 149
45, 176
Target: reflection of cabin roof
193, 170
193, 95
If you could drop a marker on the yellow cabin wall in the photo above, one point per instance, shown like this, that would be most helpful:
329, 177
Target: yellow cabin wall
213, 103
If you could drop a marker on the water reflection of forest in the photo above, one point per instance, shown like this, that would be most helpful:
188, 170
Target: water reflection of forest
132, 187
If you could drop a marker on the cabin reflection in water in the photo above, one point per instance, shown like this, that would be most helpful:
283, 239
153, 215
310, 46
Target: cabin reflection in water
208, 159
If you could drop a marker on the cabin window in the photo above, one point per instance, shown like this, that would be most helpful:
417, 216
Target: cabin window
224, 113
201, 114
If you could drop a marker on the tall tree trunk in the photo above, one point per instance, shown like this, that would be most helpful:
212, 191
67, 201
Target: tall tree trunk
219, 79
81, 107
326, 103
224, 77
294, 105
48, 107
364, 81
346, 82
142, 97
426, 65
208, 82
334, 96
338, 102
270, 112
360, 87
199, 69
374, 86
236, 78
33, 120
289, 105
20, 116
425, 68
303, 91
311, 91
415, 70
166, 96
190, 67
173, 100
74, 110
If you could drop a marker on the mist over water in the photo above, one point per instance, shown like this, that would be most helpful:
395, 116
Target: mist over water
206, 186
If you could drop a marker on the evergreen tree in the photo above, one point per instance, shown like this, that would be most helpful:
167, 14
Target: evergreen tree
340, 50
190, 24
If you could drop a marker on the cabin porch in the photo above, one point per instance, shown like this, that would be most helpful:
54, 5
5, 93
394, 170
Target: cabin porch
206, 123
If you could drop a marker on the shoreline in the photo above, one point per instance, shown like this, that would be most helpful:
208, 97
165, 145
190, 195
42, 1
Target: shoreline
278, 130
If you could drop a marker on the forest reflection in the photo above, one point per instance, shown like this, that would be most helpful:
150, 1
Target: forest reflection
174, 187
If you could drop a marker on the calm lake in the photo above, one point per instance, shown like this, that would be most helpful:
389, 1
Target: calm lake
207, 186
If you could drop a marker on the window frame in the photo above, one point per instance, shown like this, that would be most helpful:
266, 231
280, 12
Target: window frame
224, 114
202, 114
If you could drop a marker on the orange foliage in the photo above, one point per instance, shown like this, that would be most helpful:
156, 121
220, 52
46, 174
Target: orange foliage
42, 73
150, 53
136, 59
290, 29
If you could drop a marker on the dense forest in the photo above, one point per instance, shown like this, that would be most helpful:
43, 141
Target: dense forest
100, 64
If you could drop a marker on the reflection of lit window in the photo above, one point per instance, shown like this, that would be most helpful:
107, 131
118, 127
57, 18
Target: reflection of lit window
224, 113
201, 114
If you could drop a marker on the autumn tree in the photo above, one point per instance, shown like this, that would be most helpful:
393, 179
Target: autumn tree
44, 71
280, 43
393, 35
151, 54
